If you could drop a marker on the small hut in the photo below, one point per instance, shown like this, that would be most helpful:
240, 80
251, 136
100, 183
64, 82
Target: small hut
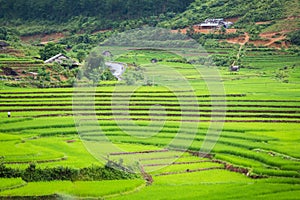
214, 24
107, 54
234, 68
154, 60
3, 45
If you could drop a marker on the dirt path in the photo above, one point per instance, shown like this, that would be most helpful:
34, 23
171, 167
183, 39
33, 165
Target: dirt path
117, 69
247, 38
147, 177
275, 40
265, 22
274, 37
242, 44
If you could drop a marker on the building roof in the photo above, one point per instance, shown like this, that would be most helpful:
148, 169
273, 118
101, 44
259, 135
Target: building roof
59, 57
215, 23
106, 53
209, 24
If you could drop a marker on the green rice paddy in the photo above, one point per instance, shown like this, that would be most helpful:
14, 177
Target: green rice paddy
257, 154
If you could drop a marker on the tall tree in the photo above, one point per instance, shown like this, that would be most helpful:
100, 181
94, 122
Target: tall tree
94, 66
51, 49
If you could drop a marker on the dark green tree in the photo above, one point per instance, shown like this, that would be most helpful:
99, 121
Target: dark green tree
64, 10
3, 33
294, 37
80, 55
94, 66
107, 75
51, 49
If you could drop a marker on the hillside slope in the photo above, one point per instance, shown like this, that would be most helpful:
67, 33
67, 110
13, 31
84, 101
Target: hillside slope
64, 10
246, 11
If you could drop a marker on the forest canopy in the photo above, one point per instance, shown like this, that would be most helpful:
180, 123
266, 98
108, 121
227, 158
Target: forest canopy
64, 10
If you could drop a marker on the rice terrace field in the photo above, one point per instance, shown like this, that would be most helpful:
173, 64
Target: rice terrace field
256, 154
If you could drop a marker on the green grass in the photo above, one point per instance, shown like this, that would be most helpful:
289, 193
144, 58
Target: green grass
53, 152
78, 189
6, 138
8, 183
214, 191
213, 184
213, 177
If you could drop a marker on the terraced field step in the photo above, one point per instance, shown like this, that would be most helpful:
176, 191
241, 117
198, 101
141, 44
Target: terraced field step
188, 114
176, 163
66, 102
23, 65
70, 101
16, 64
36, 161
186, 110
178, 115
154, 95
12, 183
81, 106
139, 152
169, 111
98, 92
193, 110
119, 93
160, 158
189, 171
207, 119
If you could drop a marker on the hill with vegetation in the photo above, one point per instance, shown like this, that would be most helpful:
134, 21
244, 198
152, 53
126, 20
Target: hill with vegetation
246, 11
104, 9
29, 18
85, 15
37, 30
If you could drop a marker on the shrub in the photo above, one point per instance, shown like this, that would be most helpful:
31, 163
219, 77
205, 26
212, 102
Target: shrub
96, 173
294, 37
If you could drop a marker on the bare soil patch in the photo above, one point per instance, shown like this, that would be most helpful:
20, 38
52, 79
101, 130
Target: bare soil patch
261, 23
204, 31
242, 40
44, 38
